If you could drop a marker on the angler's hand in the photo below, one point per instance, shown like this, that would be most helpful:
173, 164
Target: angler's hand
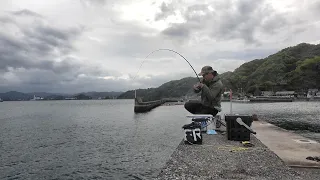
198, 86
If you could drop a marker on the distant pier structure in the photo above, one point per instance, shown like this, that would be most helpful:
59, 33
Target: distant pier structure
140, 106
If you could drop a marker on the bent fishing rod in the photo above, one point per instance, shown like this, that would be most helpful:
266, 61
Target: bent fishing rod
171, 51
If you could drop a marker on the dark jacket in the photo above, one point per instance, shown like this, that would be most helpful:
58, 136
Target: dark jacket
211, 93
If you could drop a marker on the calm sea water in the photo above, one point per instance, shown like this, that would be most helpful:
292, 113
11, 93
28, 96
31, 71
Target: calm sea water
105, 139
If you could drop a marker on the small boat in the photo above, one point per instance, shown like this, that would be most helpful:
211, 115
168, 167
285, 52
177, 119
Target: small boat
1, 100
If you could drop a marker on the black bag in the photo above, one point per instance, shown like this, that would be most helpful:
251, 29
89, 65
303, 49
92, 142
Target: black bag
193, 133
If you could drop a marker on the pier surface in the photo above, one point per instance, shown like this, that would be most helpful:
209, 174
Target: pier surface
292, 148
219, 158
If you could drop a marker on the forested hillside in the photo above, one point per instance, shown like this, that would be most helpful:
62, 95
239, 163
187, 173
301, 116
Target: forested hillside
294, 68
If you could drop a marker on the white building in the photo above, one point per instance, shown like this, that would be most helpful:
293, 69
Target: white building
285, 93
35, 98
267, 93
313, 92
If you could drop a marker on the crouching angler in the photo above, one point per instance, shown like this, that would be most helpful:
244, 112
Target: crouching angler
211, 89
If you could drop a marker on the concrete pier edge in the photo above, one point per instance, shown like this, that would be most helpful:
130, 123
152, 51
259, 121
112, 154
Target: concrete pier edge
267, 165
291, 147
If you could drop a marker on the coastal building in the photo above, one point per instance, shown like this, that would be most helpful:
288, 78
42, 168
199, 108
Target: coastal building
35, 98
70, 98
312, 93
267, 93
226, 94
286, 93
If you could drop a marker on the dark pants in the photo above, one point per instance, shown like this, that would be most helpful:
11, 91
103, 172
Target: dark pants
195, 107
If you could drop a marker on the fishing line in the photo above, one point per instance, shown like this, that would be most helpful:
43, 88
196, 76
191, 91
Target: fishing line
171, 51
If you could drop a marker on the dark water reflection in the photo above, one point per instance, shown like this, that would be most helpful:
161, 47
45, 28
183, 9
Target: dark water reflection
106, 140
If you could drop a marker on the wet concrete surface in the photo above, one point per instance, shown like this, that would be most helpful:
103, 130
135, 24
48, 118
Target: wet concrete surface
292, 148
214, 160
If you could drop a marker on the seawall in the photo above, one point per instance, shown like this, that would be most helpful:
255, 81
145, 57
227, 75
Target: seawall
271, 99
140, 107
147, 106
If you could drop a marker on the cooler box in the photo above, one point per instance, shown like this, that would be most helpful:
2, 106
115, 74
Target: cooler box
235, 131
203, 122
193, 133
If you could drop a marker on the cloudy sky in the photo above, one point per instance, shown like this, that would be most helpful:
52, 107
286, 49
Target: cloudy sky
99, 45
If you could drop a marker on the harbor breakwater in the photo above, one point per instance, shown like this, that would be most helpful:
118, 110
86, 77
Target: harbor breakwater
140, 106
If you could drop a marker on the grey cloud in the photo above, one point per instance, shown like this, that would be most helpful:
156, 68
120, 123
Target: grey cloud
37, 46
38, 58
66, 65
195, 12
315, 6
35, 80
194, 19
16, 54
271, 23
98, 1
5, 19
94, 2
29, 62
54, 33
166, 10
109, 4
11, 53
38, 77
178, 30
246, 7
246, 54
239, 20
44, 39
47, 81
300, 30
135, 45
26, 12
155, 81
30, 57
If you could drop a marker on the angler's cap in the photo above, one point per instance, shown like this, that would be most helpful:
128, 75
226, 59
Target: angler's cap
205, 70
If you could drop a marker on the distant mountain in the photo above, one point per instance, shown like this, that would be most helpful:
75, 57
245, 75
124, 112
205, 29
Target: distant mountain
45, 94
294, 68
175, 88
16, 96
96, 95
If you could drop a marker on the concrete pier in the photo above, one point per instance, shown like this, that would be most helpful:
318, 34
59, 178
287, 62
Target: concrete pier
141, 107
218, 158
292, 148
